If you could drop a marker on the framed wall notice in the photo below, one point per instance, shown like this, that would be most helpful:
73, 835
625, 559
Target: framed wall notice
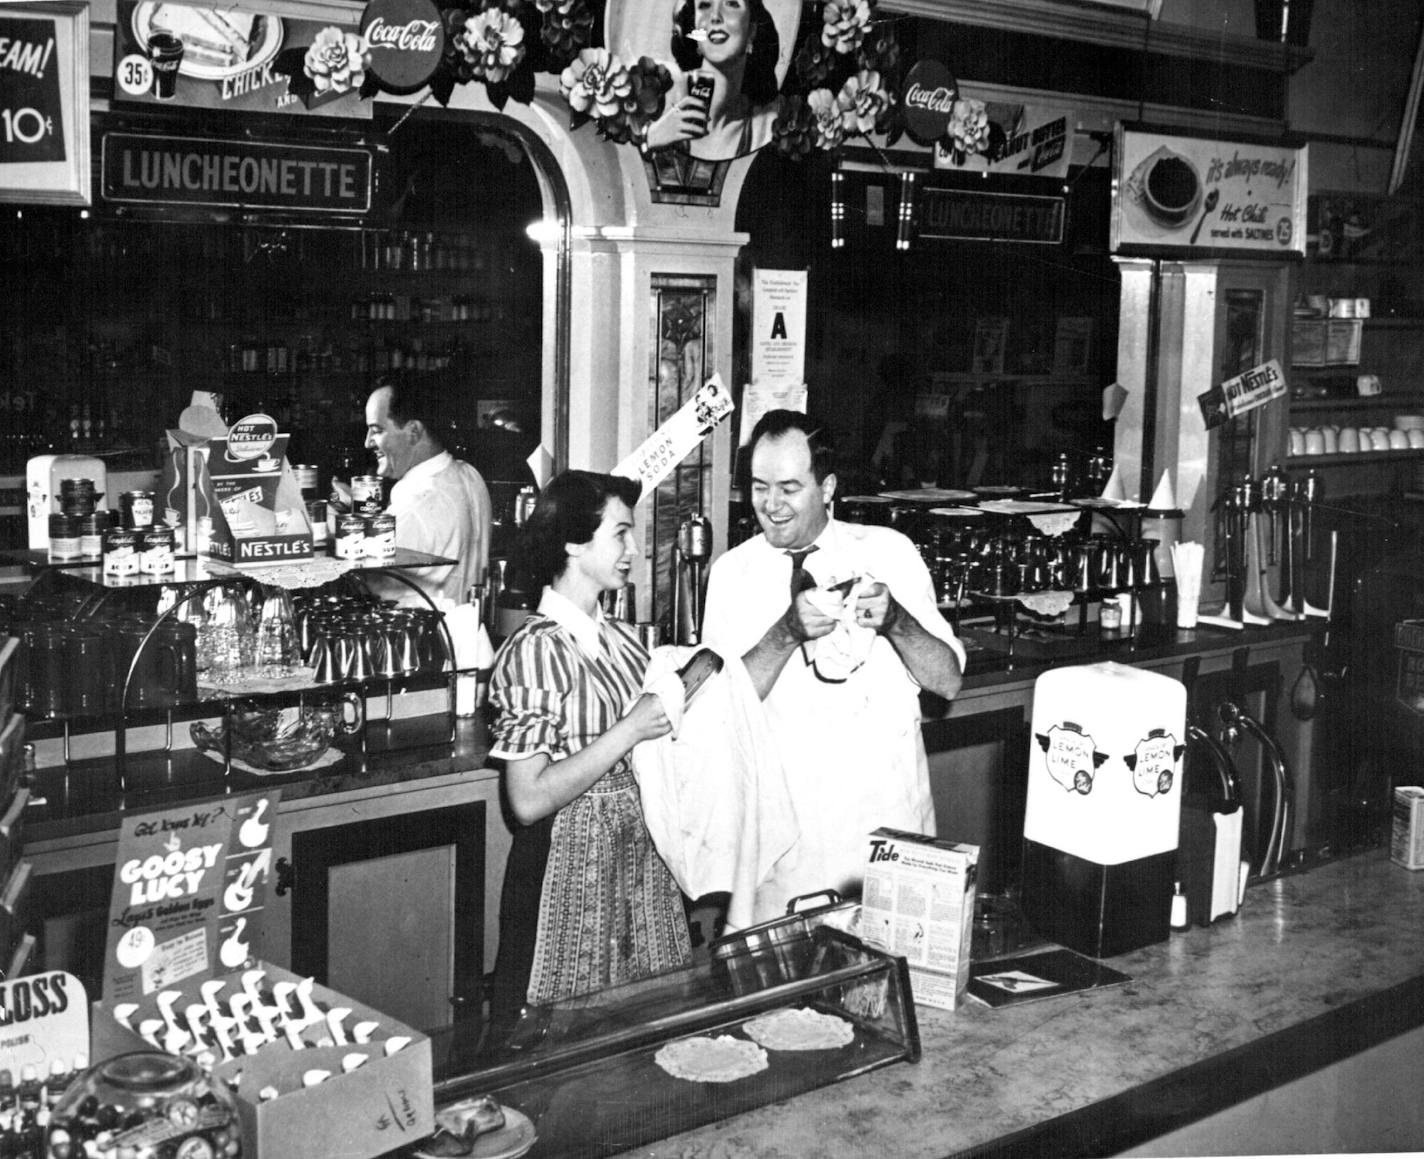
44, 103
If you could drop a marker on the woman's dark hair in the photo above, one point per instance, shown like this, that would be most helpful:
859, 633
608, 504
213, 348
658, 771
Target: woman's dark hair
759, 83
569, 510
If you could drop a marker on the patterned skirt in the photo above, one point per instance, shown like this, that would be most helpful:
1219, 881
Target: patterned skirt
610, 911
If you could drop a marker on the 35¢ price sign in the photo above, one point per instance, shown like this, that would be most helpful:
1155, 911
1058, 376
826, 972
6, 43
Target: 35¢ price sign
31, 112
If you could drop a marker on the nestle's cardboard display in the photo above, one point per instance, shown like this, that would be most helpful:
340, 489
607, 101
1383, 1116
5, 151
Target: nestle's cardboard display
256, 505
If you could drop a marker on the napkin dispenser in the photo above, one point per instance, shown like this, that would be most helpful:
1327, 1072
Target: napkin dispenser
1209, 854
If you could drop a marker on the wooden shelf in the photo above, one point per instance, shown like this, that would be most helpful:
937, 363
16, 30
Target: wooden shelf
1345, 460
1394, 323
1370, 402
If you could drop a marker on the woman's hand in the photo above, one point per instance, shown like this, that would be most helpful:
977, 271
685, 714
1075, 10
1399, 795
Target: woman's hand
683, 120
647, 720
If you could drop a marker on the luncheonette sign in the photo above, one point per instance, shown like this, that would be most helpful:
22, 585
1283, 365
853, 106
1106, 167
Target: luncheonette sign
966, 215
140, 167
407, 40
1178, 192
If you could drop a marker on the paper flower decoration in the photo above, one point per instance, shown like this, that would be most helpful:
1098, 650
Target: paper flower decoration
337, 60
492, 44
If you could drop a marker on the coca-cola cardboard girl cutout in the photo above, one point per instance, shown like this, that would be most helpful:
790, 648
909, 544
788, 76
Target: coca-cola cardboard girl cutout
728, 59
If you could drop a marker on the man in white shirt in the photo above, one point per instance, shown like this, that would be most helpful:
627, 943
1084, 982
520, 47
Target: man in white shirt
843, 708
441, 503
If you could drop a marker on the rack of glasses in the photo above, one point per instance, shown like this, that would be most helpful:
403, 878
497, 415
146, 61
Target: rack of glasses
289, 656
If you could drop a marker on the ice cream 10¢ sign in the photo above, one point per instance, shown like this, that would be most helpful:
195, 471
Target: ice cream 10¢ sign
44, 107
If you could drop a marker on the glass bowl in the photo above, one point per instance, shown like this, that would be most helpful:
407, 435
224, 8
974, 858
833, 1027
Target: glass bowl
273, 739
146, 1105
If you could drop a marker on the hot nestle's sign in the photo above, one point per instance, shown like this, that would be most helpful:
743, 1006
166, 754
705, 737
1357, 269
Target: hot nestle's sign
407, 40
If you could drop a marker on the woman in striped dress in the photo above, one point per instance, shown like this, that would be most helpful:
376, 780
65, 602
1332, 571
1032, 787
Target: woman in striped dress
587, 902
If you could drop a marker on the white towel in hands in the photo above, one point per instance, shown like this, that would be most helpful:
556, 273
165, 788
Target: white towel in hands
848, 645
714, 795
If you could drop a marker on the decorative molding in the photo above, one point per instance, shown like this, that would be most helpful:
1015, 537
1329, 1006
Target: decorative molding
1125, 30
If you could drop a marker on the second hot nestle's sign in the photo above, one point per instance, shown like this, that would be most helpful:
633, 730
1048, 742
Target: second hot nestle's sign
138, 167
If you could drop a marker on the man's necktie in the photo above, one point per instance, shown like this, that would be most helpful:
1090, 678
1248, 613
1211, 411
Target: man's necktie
801, 579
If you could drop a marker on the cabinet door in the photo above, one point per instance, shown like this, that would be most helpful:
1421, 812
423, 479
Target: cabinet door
71, 916
978, 768
391, 911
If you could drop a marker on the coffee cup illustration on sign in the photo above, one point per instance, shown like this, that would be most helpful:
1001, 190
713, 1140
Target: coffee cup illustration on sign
1171, 189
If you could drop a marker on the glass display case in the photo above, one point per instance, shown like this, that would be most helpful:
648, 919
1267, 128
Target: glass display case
113, 654
593, 1074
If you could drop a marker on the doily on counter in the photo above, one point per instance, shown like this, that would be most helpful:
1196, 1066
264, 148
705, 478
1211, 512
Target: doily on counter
800, 1030
330, 757
723, 1059
1047, 603
1054, 525
308, 573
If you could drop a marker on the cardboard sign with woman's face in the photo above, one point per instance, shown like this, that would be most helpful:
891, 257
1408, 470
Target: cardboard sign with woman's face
728, 59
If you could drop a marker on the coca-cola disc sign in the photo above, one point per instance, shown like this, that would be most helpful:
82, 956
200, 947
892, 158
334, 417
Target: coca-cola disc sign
407, 40
930, 91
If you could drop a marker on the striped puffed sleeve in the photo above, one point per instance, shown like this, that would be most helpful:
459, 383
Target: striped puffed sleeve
530, 688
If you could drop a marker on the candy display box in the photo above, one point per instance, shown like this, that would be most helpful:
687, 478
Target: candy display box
383, 1102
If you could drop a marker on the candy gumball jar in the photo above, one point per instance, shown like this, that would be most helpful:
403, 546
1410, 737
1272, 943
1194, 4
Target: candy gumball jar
145, 1105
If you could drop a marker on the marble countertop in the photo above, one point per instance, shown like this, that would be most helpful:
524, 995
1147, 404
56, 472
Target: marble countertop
1316, 966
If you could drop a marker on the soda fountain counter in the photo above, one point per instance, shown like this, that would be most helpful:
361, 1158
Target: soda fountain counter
1296, 1027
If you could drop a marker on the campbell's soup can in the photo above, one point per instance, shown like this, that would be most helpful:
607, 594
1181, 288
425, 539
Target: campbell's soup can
120, 551
350, 536
380, 537
156, 551
136, 509
366, 494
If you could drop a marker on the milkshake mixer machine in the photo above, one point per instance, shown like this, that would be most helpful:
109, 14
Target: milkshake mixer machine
1268, 524
691, 554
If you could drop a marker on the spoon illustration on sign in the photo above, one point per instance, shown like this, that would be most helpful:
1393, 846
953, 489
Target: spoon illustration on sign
1207, 207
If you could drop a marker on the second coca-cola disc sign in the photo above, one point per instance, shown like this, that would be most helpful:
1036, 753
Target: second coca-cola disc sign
407, 40
930, 91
